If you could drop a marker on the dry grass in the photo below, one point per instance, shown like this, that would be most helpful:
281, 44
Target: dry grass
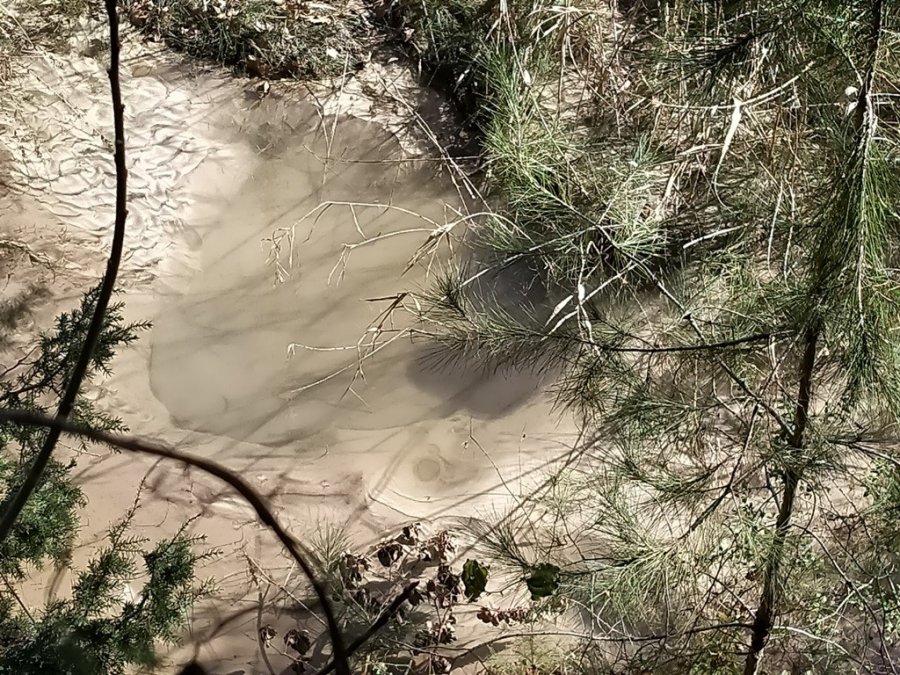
263, 38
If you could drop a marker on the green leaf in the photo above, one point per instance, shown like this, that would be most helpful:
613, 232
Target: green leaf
544, 581
474, 576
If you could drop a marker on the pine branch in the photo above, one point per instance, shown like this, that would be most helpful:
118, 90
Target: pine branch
765, 613
854, 222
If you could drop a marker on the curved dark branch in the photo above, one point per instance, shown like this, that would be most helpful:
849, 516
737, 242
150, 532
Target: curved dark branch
673, 349
378, 624
16, 503
295, 548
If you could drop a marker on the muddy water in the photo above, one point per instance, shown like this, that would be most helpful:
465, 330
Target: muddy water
240, 384
219, 349
214, 174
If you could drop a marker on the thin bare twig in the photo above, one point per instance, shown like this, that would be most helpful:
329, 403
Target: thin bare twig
14, 506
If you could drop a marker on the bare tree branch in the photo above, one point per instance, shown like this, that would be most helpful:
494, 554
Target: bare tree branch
16, 503
294, 547
377, 625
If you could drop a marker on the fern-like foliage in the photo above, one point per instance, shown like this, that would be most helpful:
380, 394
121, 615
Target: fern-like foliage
98, 630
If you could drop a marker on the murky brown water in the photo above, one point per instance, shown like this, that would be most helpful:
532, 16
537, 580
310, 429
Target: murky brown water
218, 359
213, 174
241, 385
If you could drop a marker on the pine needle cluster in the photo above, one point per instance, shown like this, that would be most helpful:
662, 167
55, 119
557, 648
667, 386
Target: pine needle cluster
709, 264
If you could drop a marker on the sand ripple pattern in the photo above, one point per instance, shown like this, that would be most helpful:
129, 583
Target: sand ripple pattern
56, 122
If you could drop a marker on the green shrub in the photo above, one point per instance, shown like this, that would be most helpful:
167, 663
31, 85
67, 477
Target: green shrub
97, 631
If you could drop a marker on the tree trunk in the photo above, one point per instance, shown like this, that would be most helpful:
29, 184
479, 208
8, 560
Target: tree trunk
765, 613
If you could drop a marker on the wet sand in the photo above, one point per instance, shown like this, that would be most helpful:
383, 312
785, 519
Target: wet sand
214, 172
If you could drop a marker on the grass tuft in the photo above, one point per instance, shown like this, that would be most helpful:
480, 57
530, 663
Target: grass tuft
263, 38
